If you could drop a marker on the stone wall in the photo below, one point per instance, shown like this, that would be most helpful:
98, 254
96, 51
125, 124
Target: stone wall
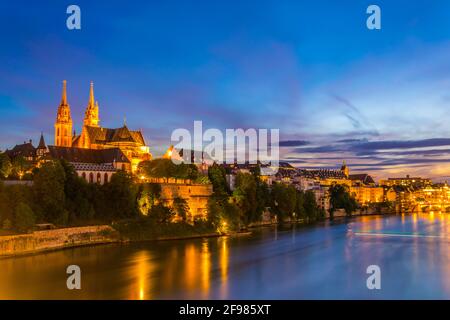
39, 241
196, 196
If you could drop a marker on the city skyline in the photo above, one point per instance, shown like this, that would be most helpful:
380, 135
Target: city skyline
378, 99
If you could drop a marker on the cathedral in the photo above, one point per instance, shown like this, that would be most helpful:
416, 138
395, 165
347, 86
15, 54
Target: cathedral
94, 137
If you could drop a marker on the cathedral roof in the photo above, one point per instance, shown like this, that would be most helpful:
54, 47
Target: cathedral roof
81, 155
105, 135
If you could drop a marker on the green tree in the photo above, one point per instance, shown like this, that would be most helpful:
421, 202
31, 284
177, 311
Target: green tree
165, 168
121, 196
161, 213
48, 190
217, 176
77, 193
20, 165
340, 198
149, 195
284, 199
5, 165
312, 212
25, 218
181, 208
245, 197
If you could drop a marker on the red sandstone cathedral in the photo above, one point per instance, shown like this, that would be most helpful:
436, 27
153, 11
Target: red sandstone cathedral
94, 137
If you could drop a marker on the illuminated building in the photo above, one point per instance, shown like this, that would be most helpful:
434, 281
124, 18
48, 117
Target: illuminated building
93, 136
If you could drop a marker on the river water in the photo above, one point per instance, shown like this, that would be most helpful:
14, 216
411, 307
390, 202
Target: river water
326, 261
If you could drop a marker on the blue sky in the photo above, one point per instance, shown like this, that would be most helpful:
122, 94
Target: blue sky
335, 89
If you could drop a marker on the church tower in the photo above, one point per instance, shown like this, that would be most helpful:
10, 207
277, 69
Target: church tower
63, 124
91, 113
345, 169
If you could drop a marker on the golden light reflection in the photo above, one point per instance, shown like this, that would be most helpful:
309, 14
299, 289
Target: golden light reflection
206, 267
141, 271
224, 264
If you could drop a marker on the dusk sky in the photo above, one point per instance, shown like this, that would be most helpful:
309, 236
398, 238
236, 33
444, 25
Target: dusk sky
378, 98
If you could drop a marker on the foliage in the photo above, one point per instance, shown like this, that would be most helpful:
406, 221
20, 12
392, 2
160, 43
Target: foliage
340, 198
181, 208
48, 189
149, 195
7, 225
217, 176
25, 218
283, 200
161, 213
5, 165
165, 168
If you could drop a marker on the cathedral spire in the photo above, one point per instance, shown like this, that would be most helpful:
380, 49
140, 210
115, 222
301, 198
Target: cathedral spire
91, 95
64, 94
91, 114
63, 124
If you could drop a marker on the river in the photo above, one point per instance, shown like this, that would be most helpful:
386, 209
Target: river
326, 261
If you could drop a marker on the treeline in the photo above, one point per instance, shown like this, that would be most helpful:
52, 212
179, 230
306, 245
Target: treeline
60, 197
19, 168
252, 197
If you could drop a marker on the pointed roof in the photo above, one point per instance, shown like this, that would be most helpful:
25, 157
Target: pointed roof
63, 115
42, 142
64, 94
91, 96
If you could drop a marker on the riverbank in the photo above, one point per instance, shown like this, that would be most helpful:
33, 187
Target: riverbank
48, 240
123, 232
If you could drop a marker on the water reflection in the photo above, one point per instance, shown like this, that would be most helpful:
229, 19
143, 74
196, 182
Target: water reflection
323, 261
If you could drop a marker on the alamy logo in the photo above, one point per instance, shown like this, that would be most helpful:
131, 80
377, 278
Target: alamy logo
374, 20
73, 22
236, 146
374, 280
74, 280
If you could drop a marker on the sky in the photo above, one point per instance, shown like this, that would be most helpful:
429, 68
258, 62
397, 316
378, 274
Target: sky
380, 99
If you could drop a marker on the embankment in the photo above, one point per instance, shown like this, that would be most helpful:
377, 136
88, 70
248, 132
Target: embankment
47, 240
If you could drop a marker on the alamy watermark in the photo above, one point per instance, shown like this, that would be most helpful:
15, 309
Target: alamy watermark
73, 21
74, 280
374, 280
235, 146
373, 22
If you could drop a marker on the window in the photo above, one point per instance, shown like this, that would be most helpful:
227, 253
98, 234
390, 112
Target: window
84, 175
91, 177
105, 178
99, 178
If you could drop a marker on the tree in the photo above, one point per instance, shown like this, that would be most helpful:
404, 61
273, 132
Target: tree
121, 195
77, 192
340, 198
283, 200
48, 190
149, 195
165, 168
310, 206
161, 213
217, 176
181, 208
245, 197
5, 165
25, 218
19, 166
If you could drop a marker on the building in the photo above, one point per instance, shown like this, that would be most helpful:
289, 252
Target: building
27, 151
415, 182
93, 136
93, 165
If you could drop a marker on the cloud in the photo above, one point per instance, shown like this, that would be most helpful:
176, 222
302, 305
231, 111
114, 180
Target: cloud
293, 143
